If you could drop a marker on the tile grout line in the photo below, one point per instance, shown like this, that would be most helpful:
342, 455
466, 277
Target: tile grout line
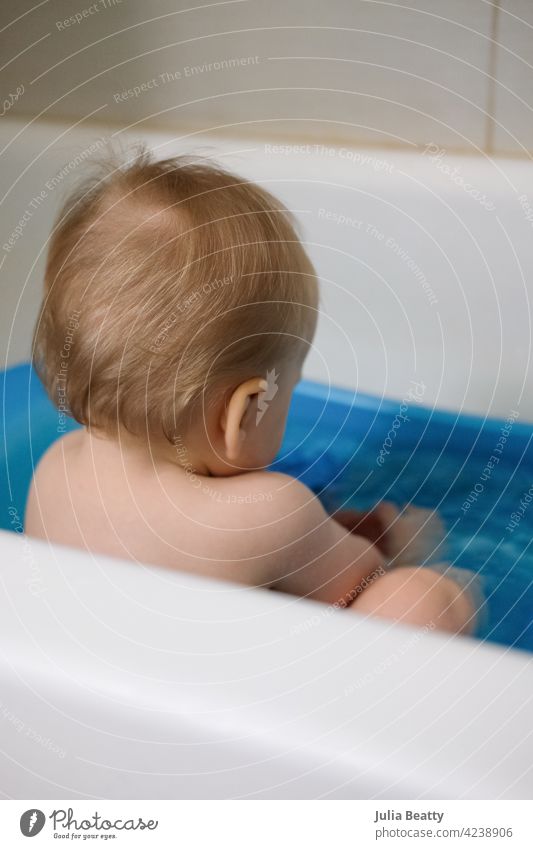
491, 92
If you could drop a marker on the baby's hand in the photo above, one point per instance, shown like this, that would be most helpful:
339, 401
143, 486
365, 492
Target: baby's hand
375, 525
404, 537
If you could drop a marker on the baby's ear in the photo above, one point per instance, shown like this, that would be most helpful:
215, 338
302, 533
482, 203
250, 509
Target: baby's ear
234, 420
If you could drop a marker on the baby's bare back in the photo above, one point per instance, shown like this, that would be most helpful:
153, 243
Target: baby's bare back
259, 528
96, 494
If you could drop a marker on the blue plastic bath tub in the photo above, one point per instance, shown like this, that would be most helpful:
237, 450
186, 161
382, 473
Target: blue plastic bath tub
354, 450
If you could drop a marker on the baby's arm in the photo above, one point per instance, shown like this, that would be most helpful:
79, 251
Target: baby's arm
312, 555
316, 557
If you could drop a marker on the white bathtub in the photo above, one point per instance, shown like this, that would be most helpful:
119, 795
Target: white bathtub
127, 682
119, 681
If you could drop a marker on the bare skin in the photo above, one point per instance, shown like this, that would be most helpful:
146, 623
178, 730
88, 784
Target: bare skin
207, 505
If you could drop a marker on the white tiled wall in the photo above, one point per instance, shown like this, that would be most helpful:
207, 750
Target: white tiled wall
513, 93
370, 71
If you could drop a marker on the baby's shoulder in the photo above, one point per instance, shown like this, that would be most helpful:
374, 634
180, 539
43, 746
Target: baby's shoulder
273, 500
61, 452
50, 489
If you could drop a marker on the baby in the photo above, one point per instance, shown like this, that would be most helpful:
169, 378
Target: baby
190, 305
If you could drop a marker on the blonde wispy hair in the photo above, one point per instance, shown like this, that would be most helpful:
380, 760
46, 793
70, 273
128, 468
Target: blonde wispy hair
175, 280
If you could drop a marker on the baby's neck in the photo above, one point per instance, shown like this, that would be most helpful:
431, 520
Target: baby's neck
150, 450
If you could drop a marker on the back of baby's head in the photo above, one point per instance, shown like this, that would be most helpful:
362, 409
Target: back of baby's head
167, 282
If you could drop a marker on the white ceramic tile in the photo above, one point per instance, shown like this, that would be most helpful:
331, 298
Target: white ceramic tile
513, 112
370, 71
